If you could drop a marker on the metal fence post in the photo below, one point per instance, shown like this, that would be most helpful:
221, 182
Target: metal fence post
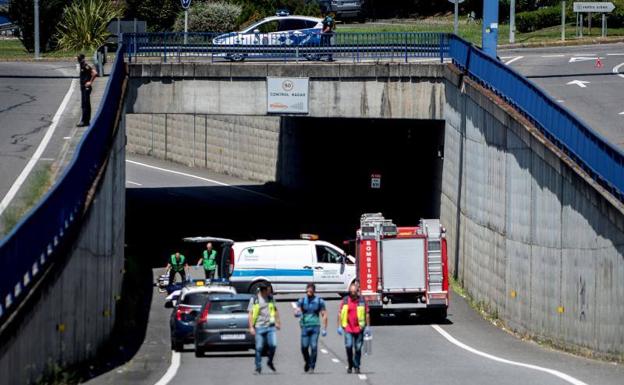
165, 45
405, 34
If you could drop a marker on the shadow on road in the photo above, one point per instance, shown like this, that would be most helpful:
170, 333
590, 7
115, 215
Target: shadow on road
408, 320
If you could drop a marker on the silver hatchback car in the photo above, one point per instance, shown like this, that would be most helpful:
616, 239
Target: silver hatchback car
223, 324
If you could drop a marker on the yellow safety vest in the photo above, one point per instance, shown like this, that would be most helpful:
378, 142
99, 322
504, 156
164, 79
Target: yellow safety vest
361, 312
255, 311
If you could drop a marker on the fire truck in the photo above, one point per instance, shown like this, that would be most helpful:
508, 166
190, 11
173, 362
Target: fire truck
402, 269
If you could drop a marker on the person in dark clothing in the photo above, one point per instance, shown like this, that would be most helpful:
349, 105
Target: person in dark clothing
87, 76
327, 33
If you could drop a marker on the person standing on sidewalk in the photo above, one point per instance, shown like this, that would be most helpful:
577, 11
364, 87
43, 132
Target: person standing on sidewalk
87, 76
354, 323
264, 322
311, 310
209, 260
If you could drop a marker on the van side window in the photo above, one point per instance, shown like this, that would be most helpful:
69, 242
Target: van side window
325, 254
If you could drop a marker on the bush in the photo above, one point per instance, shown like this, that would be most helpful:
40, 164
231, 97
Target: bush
159, 15
50, 12
218, 16
83, 26
538, 19
616, 18
254, 10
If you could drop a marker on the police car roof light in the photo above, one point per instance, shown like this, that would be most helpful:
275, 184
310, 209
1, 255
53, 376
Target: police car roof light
309, 237
282, 12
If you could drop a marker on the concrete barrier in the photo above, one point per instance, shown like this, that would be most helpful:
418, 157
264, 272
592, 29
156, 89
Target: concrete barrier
530, 235
74, 310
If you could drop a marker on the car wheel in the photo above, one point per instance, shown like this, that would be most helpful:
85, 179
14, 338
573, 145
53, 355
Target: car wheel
313, 57
176, 346
256, 286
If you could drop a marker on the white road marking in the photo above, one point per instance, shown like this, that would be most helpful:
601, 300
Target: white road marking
580, 83
39, 151
558, 55
513, 60
506, 57
621, 113
335, 360
583, 58
198, 178
324, 351
615, 54
616, 70
67, 137
362, 377
134, 183
171, 371
556, 373
559, 100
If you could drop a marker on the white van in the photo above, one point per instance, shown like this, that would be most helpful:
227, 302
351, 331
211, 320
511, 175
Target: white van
287, 265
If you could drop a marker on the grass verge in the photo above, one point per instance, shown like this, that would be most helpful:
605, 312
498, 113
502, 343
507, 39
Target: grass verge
12, 49
472, 31
38, 184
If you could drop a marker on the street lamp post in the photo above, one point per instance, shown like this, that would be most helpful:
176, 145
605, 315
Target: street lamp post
36, 31
512, 22
185, 4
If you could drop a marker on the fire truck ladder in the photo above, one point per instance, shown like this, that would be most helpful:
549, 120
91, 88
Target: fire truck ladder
434, 260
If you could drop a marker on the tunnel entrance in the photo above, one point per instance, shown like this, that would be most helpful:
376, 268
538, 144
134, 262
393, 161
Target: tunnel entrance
327, 174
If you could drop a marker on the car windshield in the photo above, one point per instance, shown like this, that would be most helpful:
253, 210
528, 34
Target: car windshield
228, 307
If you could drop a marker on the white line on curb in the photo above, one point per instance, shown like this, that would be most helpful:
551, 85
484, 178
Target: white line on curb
171, 371
513, 60
553, 372
616, 70
199, 178
39, 151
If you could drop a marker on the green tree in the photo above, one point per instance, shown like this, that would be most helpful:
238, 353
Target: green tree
84, 22
50, 12
159, 15
218, 16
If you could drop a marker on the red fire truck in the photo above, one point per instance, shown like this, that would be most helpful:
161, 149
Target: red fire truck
402, 269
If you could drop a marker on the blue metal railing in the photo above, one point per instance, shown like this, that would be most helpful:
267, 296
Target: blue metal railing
32, 244
601, 159
283, 46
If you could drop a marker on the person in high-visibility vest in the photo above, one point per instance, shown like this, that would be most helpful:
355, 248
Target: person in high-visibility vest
177, 264
354, 323
264, 321
209, 260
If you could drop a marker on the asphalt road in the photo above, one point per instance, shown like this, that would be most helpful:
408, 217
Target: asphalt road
31, 95
465, 350
572, 77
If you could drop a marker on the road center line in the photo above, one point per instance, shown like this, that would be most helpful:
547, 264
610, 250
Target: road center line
553, 372
172, 370
362, 377
557, 55
324, 351
615, 54
39, 151
335, 360
616, 70
199, 178
513, 60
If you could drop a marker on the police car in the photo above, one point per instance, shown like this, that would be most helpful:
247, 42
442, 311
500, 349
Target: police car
274, 30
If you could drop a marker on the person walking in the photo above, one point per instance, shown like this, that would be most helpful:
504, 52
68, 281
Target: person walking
177, 264
209, 260
87, 76
354, 323
264, 321
311, 311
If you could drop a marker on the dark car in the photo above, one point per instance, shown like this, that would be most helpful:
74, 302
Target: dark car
223, 324
343, 9
191, 300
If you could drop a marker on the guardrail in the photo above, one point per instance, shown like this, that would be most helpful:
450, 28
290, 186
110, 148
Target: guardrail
287, 46
601, 159
32, 245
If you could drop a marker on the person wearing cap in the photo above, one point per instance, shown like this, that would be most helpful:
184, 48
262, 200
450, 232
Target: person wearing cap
264, 321
87, 76
311, 311
209, 260
327, 33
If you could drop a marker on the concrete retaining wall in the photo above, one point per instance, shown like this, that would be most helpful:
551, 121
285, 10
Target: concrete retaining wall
242, 146
528, 235
75, 312
390, 90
